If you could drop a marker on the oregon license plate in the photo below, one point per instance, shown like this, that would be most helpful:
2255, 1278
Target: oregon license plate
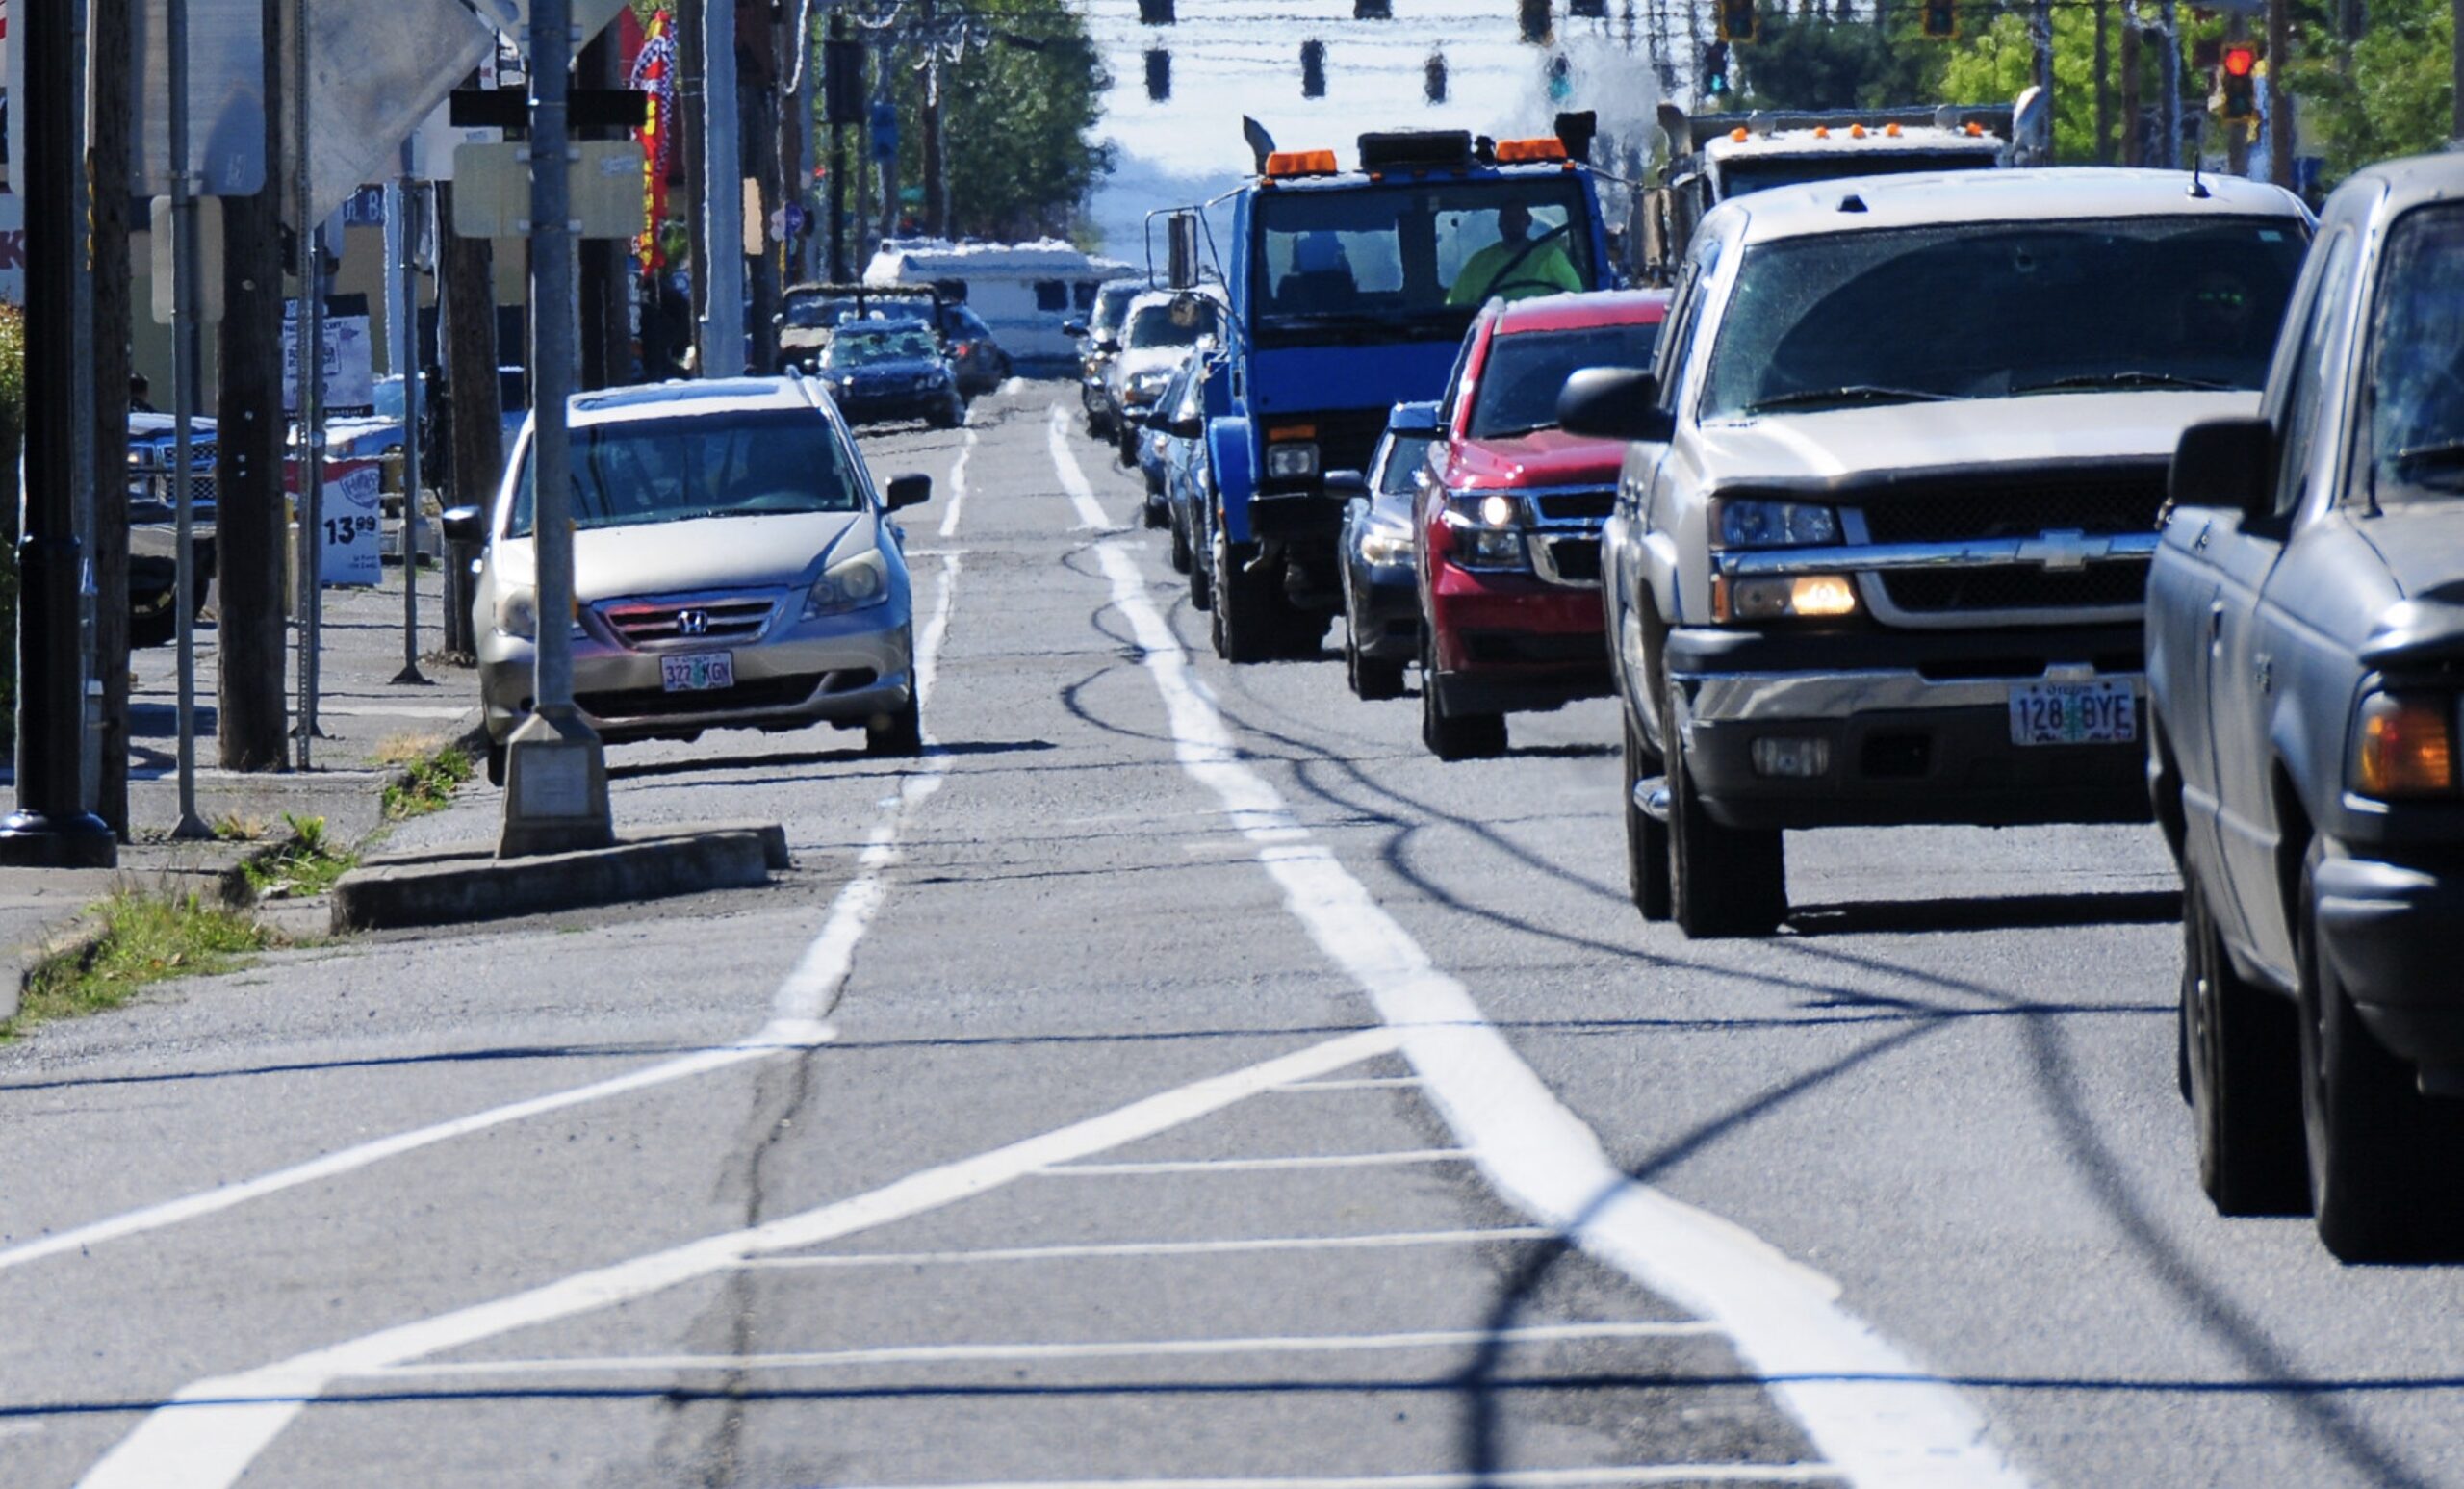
697, 672
2070, 713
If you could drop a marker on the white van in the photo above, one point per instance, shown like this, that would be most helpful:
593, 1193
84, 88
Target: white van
1024, 290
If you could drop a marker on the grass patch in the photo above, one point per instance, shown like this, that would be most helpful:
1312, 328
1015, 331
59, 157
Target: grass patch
428, 783
305, 865
144, 939
403, 750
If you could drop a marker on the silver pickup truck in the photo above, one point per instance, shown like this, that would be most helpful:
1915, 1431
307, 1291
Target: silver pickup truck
2305, 663
1883, 533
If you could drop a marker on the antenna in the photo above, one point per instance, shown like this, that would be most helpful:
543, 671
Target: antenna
2199, 157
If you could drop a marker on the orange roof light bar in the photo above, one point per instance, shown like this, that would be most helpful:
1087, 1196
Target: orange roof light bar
1301, 163
1517, 152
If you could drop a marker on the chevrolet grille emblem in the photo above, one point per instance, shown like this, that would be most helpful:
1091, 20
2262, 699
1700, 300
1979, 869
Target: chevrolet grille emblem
2064, 550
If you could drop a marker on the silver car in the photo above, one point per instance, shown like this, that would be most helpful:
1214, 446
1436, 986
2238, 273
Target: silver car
733, 567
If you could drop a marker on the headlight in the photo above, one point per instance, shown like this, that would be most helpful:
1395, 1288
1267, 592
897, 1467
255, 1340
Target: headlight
1291, 461
1386, 545
2404, 745
517, 614
859, 584
1811, 595
1747, 523
1487, 528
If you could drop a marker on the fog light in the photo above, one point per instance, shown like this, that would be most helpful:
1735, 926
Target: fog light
1811, 595
1797, 759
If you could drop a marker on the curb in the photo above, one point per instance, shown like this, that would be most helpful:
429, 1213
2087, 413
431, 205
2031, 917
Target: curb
460, 886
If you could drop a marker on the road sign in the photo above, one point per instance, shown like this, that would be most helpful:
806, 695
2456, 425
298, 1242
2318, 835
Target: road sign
227, 98
377, 68
513, 19
492, 189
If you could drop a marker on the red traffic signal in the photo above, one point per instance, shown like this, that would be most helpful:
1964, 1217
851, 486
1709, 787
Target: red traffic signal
2240, 61
1940, 21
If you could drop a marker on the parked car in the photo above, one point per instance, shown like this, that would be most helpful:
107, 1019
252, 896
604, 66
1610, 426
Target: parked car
1155, 437
733, 568
1189, 499
1382, 584
2305, 663
1508, 525
887, 370
1161, 327
1098, 342
1882, 540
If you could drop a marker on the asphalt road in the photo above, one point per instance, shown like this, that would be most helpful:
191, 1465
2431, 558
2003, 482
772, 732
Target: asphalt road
1178, 1076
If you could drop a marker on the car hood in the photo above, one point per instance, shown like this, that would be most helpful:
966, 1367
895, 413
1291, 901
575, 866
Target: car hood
876, 372
1145, 359
1543, 457
1844, 445
2422, 542
702, 555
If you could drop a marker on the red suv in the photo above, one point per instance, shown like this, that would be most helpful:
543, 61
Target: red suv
1510, 518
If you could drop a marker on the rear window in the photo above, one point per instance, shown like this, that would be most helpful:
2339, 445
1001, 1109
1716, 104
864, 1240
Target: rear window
1525, 372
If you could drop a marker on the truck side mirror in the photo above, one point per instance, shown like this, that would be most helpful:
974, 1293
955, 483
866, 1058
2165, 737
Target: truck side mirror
2228, 463
1107, 345
1614, 403
1345, 484
1073, 329
466, 525
909, 490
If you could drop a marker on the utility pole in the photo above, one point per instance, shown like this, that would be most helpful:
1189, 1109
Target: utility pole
2040, 33
311, 384
2102, 67
722, 194
107, 34
402, 245
185, 364
2134, 124
937, 200
2352, 34
251, 531
467, 307
51, 828
842, 103
692, 126
607, 356
758, 139
2280, 104
2172, 72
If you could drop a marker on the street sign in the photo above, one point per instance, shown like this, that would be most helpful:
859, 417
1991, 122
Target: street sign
492, 189
513, 19
227, 98
208, 251
377, 68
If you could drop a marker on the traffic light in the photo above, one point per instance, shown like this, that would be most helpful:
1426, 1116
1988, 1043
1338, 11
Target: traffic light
2240, 83
1313, 69
842, 79
1155, 12
1533, 18
1433, 78
1737, 20
1715, 69
1940, 20
1372, 9
1159, 74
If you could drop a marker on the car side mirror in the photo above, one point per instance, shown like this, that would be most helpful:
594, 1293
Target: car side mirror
465, 525
909, 490
1413, 419
1345, 484
1073, 329
2226, 462
1614, 403
1185, 429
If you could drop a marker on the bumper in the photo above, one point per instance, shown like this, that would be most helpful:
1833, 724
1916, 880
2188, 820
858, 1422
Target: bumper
1385, 611
885, 407
844, 670
2389, 930
1511, 643
1307, 517
1917, 728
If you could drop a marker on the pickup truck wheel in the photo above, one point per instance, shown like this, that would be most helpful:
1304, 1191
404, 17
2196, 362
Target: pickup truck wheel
2244, 1059
1647, 877
1304, 631
2382, 1157
1722, 881
1244, 608
1455, 736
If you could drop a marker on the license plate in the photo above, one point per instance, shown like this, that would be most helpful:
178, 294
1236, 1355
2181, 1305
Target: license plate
2069, 714
697, 672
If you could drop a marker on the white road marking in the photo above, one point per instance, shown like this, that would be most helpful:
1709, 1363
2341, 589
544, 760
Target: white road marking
1494, 1478
1096, 1349
1865, 1404
206, 1437
1073, 478
802, 1001
391, 710
1363, 1083
1432, 1155
1093, 1250
958, 485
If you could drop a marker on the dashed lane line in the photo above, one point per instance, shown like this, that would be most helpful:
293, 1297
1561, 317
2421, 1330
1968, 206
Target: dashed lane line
1103, 1250
1073, 478
799, 1010
208, 1434
1885, 1422
958, 485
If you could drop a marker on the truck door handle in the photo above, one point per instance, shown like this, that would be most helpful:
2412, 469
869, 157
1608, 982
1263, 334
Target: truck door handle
2216, 622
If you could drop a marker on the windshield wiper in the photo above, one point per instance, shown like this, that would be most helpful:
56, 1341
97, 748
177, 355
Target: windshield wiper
2440, 465
1515, 432
1855, 392
2132, 378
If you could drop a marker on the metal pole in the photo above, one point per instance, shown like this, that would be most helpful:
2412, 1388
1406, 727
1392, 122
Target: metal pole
723, 194
2171, 158
2280, 104
406, 360
310, 440
51, 827
555, 769
2041, 32
185, 294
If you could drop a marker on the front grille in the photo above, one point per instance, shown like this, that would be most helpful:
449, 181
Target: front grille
1346, 437
1576, 506
639, 622
2015, 587
1576, 560
643, 702
1944, 512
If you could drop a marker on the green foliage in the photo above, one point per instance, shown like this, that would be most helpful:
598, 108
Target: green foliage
305, 865
2393, 95
143, 939
1995, 64
1808, 62
1015, 115
426, 785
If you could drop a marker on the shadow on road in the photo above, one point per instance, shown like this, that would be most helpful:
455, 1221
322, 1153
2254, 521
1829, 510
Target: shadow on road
853, 754
1988, 913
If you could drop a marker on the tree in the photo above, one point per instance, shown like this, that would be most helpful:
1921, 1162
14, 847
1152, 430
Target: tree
1812, 62
1997, 64
2393, 95
1015, 114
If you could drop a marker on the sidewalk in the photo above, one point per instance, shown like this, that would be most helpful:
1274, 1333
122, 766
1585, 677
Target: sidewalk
365, 719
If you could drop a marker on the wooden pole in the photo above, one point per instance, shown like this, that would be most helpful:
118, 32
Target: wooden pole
106, 148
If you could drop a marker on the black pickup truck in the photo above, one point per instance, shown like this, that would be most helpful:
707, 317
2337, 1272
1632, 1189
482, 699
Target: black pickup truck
2305, 668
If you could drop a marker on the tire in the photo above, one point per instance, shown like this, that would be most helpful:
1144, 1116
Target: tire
1455, 736
2382, 1157
1372, 678
1247, 627
1155, 510
902, 737
1647, 874
1202, 576
1182, 560
2244, 1052
496, 765
1126, 447
1723, 882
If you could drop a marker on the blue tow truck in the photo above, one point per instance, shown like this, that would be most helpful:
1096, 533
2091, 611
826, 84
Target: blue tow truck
1350, 291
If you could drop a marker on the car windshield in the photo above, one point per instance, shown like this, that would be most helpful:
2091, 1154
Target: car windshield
1112, 302
1744, 177
816, 312
859, 348
1996, 309
1525, 372
749, 463
2417, 359
1404, 454
1411, 261
1177, 324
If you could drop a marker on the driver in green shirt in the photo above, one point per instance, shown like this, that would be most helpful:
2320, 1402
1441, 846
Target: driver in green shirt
1517, 265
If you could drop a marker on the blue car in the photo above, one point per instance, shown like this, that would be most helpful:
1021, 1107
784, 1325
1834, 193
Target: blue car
1155, 439
1382, 586
886, 370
